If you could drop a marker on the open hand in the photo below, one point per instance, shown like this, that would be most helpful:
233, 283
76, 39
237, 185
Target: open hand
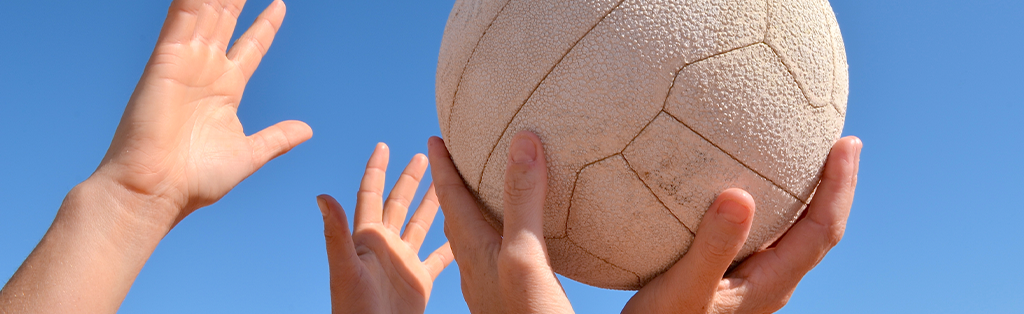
375, 269
179, 147
180, 142
763, 283
507, 272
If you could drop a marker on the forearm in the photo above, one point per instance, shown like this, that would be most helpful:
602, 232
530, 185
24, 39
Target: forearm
91, 254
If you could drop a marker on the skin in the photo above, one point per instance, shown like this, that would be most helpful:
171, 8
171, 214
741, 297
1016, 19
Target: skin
375, 268
506, 272
179, 147
765, 281
513, 274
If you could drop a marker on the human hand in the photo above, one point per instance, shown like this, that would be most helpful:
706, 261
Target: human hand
179, 147
765, 281
180, 143
376, 268
507, 272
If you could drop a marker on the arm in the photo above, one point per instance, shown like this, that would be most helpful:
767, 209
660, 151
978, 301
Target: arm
507, 272
179, 147
375, 268
763, 283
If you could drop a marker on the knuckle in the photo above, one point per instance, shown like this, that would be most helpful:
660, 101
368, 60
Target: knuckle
430, 203
719, 247
258, 44
410, 176
329, 236
269, 24
448, 233
416, 227
233, 9
518, 190
370, 193
832, 232
445, 198
834, 236
514, 261
400, 200
779, 303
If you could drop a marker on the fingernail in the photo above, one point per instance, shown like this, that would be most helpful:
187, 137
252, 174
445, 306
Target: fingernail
523, 150
733, 212
320, 202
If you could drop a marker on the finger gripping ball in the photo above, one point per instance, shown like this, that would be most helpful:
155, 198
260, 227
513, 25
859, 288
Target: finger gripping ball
647, 111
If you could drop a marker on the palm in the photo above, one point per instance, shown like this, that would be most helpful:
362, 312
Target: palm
180, 138
376, 269
217, 152
399, 275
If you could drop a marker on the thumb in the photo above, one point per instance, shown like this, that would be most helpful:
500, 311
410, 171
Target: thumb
526, 185
527, 282
691, 283
341, 253
278, 139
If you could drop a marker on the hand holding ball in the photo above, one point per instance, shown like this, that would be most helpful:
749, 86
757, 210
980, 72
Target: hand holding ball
647, 110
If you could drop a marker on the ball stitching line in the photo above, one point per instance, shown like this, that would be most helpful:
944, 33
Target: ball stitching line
451, 109
539, 83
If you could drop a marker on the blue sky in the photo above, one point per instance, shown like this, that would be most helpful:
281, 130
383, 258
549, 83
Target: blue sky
936, 95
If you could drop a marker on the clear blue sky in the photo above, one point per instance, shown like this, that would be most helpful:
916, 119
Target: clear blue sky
936, 94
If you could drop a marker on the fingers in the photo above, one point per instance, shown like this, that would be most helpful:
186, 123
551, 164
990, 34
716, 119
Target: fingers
465, 225
523, 264
807, 242
206, 22
369, 206
812, 237
719, 238
221, 34
213, 22
420, 222
397, 205
438, 260
278, 139
180, 24
691, 283
253, 45
341, 252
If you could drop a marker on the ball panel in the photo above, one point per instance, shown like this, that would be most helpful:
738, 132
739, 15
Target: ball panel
692, 30
614, 216
572, 261
799, 31
467, 22
841, 73
687, 173
746, 103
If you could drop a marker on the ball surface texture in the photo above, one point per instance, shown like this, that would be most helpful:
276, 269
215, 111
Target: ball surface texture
647, 111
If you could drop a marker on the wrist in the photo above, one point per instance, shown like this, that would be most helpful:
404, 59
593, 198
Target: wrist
91, 254
119, 215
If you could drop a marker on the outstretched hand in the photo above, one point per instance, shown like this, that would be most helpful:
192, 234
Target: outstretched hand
180, 142
376, 269
763, 283
179, 146
506, 272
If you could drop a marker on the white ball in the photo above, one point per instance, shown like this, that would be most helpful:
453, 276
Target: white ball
647, 111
